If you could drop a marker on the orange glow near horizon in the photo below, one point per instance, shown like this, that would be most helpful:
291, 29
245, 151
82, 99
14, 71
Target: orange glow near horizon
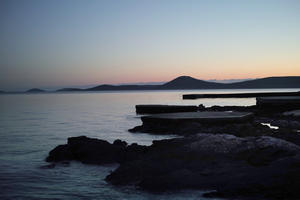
204, 74
107, 42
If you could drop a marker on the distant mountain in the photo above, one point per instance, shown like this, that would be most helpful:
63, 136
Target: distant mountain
69, 90
187, 82
270, 82
35, 90
122, 87
144, 83
229, 80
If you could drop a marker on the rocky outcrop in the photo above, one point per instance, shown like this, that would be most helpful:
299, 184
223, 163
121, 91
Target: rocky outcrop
232, 166
95, 151
284, 103
293, 113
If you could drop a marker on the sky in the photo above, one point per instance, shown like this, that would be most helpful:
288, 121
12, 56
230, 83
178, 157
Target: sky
60, 43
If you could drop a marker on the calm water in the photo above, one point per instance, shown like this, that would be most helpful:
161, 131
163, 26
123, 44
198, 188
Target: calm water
33, 124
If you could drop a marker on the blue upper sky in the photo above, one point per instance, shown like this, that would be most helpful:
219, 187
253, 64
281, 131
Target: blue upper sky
60, 43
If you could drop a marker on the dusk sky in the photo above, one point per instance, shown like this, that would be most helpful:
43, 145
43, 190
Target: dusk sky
60, 43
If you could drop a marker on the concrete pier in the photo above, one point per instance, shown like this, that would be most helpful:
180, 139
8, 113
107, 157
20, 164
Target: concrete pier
154, 109
202, 117
241, 95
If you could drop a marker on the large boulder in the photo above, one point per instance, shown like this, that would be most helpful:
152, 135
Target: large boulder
88, 150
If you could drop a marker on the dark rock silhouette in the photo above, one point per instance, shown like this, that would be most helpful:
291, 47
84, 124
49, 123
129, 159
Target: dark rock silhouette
87, 150
235, 160
260, 167
285, 103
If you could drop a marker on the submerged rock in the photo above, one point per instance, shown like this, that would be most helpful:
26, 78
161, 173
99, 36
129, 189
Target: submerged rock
261, 166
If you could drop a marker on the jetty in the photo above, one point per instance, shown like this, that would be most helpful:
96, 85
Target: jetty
241, 95
155, 109
186, 123
202, 117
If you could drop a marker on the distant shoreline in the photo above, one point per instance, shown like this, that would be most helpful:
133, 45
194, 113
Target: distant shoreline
185, 83
218, 91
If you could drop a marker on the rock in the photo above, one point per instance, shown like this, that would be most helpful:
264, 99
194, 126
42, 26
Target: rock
288, 135
278, 104
285, 123
230, 165
201, 107
120, 143
295, 113
88, 150
258, 167
60, 153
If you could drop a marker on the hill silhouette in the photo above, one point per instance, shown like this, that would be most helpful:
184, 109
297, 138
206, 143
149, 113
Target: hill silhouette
122, 87
187, 82
270, 82
69, 90
35, 90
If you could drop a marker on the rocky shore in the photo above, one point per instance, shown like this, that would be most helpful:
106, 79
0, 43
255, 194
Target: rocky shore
233, 160
259, 167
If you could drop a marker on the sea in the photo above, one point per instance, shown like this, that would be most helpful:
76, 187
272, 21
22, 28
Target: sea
33, 124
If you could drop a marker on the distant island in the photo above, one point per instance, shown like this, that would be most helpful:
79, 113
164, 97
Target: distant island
187, 82
35, 90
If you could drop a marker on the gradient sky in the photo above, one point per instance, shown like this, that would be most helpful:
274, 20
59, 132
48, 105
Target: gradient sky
60, 43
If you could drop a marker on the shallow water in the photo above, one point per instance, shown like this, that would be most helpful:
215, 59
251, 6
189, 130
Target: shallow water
33, 124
